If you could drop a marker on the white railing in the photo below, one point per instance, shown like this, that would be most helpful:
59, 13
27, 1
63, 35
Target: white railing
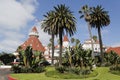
5, 66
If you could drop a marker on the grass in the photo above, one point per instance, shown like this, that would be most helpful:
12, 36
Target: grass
103, 74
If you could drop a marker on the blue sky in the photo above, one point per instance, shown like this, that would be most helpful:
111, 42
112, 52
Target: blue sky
17, 17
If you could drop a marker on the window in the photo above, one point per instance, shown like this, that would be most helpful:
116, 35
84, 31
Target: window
95, 48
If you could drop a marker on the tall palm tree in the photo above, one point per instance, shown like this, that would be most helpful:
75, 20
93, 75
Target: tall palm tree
77, 41
99, 18
48, 27
64, 22
95, 38
49, 47
28, 57
72, 40
85, 13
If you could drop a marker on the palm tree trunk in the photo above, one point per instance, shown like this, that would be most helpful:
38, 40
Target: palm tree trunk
25, 61
81, 62
101, 45
52, 48
90, 33
60, 54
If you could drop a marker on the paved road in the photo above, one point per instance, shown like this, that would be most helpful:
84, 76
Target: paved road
4, 73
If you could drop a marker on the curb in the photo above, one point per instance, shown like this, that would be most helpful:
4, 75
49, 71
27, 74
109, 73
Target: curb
11, 78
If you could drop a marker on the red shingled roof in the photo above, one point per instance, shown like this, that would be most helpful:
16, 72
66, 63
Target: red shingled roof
65, 38
34, 42
115, 49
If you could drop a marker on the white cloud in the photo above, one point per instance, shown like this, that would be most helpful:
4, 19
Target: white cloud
9, 45
14, 16
10, 40
29, 5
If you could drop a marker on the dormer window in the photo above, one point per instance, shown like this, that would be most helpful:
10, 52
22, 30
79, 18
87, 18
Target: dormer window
30, 44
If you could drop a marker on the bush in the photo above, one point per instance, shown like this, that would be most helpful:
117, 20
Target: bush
85, 72
38, 69
115, 68
107, 64
60, 69
26, 70
44, 63
16, 69
1, 63
75, 70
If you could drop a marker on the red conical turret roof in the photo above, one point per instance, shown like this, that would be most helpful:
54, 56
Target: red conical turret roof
34, 29
34, 32
65, 38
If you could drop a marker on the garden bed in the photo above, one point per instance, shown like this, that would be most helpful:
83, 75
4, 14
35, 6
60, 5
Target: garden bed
56, 74
115, 72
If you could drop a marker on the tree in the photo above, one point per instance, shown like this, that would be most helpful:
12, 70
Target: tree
78, 57
20, 51
49, 47
48, 27
72, 40
77, 41
28, 57
6, 58
85, 13
99, 18
112, 58
64, 21
95, 38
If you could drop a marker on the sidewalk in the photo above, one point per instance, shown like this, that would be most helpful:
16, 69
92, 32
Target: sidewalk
3, 73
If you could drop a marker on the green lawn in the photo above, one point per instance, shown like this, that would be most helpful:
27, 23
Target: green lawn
103, 74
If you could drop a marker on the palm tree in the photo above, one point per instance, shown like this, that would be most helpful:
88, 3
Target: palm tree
77, 42
49, 47
28, 57
99, 18
85, 12
64, 21
48, 27
72, 40
95, 38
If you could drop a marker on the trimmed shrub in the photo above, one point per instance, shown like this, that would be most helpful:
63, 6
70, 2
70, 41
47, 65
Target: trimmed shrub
26, 70
16, 69
85, 72
75, 70
60, 69
115, 68
38, 69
